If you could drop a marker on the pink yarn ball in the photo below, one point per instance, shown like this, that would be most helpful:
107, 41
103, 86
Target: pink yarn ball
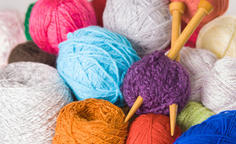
11, 34
51, 20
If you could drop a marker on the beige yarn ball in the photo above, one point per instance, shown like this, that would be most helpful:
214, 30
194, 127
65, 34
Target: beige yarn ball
31, 96
219, 36
198, 62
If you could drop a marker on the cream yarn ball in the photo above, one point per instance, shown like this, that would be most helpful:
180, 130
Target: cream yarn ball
213, 81
219, 88
219, 36
11, 33
31, 96
146, 23
198, 62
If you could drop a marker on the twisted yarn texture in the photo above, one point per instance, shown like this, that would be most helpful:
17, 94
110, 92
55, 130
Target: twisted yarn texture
91, 121
11, 33
146, 23
214, 85
159, 81
51, 20
198, 62
219, 37
218, 129
151, 129
93, 62
29, 51
31, 95
193, 113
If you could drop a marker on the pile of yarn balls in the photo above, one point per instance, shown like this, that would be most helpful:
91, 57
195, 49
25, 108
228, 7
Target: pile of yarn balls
66, 79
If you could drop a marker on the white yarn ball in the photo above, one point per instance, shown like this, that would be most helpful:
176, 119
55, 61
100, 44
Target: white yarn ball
219, 36
219, 87
31, 96
11, 33
146, 23
198, 62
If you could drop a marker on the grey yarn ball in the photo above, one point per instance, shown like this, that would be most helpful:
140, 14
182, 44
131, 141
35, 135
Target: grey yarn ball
146, 23
31, 96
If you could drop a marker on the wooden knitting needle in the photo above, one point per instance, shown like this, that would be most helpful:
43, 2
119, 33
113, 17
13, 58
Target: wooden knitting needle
204, 8
176, 10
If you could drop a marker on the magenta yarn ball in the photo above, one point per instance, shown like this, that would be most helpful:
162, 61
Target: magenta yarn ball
51, 20
159, 81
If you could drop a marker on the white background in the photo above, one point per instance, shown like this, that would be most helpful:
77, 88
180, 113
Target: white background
22, 5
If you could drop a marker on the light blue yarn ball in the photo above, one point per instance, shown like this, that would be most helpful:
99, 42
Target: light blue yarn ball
218, 129
93, 61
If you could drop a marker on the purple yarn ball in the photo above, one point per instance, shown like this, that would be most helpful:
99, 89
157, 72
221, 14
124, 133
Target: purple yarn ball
159, 81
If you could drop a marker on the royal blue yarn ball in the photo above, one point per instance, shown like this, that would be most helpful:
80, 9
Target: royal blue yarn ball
218, 129
93, 61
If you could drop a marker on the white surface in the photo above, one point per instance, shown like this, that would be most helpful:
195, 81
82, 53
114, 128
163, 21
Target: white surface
22, 5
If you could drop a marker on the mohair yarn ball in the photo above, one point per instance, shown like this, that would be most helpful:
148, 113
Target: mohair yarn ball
51, 20
152, 129
93, 62
159, 81
27, 18
198, 62
218, 129
29, 52
219, 37
214, 85
220, 7
193, 113
146, 23
219, 87
31, 95
91, 121
11, 33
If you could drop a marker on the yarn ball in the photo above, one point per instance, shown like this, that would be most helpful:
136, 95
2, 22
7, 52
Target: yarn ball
213, 81
31, 96
11, 33
29, 51
51, 20
219, 36
152, 129
93, 62
219, 87
193, 113
146, 23
198, 62
220, 7
218, 129
91, 121
159, 81
27, 18
99, 6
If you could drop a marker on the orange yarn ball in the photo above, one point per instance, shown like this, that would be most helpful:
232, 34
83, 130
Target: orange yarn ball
90, 121
220, 7
152, 129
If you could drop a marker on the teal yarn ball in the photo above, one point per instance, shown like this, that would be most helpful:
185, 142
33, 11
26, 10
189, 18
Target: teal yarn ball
218, 129
27, 17
93, 61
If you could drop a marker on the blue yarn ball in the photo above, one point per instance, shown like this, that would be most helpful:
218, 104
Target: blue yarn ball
218, 129
93, 61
